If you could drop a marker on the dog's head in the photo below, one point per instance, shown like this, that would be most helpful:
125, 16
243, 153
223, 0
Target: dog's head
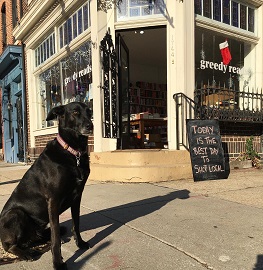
75, 116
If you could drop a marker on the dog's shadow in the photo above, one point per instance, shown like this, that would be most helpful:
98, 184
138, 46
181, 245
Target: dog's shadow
116, 217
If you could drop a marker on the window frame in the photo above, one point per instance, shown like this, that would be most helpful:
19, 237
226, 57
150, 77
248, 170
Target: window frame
233, 16
80, 19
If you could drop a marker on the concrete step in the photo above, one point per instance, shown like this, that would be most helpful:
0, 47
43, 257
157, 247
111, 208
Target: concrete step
141, 157
140, 166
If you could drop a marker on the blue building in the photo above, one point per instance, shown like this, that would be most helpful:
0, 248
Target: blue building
13, 112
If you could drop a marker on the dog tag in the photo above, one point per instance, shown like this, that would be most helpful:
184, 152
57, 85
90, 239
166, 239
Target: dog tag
78, 159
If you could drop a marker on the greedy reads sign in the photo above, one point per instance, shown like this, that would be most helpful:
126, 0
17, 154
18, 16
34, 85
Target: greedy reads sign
224, 68
206, 150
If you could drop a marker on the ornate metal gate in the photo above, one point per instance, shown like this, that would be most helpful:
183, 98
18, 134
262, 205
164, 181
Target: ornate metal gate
110, 87
19, 130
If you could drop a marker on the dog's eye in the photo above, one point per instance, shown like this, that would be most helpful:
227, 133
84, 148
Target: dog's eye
76, 113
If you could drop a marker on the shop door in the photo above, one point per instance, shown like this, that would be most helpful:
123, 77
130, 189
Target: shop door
19, 130
124, 96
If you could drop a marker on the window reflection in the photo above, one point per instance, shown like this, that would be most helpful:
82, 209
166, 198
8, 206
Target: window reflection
50, 93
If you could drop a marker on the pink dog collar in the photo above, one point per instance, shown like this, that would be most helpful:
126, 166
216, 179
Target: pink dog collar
74, 152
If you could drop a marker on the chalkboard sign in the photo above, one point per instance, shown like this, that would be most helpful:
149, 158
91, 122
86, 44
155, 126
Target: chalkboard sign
205, 145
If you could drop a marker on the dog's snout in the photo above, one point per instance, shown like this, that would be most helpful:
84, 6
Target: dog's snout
90, 125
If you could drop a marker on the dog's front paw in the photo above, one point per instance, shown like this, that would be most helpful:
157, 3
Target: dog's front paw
61, 266
82, 244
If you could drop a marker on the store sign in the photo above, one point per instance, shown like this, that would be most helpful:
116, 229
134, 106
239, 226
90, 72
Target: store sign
221, 67
206, 151
78, 74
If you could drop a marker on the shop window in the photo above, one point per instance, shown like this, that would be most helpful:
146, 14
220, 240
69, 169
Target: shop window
77, 76
45, 50
129, 9
75, 25
77, 83
49, 93
213, 73
227, 11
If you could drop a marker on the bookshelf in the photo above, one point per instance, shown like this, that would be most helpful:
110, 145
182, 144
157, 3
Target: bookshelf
149, 97
148, 108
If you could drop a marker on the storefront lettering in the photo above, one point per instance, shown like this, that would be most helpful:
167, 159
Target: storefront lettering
208, 168
77, 75
208, 64
203, 130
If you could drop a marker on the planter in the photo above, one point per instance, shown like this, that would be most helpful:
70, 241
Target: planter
240, 164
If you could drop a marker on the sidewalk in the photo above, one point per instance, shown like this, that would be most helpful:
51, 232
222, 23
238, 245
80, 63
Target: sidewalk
168, 225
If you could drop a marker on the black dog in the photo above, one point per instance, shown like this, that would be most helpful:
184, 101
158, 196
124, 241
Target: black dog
54, 183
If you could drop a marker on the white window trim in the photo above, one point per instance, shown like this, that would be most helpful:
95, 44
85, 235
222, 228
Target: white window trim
225, 29
239, 2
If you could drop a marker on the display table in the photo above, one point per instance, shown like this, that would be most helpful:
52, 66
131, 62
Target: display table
144, 123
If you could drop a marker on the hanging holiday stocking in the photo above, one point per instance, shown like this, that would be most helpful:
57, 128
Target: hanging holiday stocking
226, 55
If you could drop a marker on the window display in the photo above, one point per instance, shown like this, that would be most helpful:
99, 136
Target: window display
223, 69
67, 81
220, 60
76, 75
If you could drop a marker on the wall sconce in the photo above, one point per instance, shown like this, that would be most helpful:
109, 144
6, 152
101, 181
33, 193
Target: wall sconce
9, 106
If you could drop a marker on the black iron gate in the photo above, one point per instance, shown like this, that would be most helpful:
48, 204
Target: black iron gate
110, 87
19, 130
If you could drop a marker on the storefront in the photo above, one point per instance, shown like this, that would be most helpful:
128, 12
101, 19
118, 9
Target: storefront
131, 62
228, 72
65, 59
60, 59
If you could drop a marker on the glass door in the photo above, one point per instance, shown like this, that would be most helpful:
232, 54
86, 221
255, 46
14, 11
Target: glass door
124, 96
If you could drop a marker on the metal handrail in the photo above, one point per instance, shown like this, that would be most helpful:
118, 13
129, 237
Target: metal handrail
225, 105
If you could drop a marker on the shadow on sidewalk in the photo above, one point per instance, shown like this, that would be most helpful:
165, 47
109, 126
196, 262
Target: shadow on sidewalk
116, 217
259, 263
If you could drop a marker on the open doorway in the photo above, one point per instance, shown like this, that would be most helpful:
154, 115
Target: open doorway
147, 91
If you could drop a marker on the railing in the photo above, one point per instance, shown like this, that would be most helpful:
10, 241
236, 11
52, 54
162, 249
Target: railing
185, 108
216, 103
230, 105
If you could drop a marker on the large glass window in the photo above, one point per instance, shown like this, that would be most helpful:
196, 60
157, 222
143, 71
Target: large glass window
49, 93
75, 25
210, 69
227, 11
76, 74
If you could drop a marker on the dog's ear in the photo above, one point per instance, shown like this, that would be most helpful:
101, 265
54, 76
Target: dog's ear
56, 111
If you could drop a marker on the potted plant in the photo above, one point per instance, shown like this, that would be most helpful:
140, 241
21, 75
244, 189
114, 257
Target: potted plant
250, 157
